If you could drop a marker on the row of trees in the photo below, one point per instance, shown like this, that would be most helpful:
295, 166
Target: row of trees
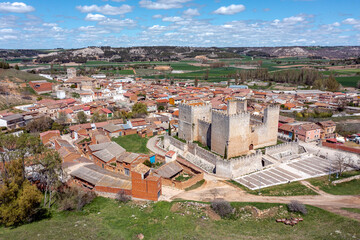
138, 110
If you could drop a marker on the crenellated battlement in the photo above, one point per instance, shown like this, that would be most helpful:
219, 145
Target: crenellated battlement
257, 118
232, 116
194, 105
273, 107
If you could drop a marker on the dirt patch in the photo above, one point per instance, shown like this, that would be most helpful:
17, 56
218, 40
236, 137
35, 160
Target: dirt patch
344, 67
200, 210
212, 214
175, 207
254, 212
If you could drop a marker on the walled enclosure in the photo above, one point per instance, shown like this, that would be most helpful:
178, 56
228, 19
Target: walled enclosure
235, 130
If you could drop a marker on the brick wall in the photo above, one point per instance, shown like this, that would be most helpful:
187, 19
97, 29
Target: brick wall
341, 147
145, 188
189, 182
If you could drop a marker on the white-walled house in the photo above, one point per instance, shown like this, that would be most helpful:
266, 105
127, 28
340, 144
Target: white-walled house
86, 97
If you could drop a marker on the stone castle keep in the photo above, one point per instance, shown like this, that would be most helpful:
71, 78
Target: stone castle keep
233, 132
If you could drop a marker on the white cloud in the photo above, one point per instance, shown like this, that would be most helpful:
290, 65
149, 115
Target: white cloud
111, 22
15, 7
229, 10
191, 12
157, 16
8, 37
106, 9
49, 24
336, 24
172, 19
7, 30
162, 4
94, 17
351, 21
293, 19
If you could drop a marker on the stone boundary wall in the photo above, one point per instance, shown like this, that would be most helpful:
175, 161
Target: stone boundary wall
346, 179
206, 160
207, 155
246, 164
177, 143
293, 146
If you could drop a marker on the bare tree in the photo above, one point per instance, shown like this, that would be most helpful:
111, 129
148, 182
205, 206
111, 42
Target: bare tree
341, 162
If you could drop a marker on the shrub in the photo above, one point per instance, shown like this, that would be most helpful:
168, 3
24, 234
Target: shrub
74, 198
296, 206
121, 196
221, 207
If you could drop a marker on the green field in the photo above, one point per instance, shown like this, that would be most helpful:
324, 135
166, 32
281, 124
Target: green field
346, 188
133, 143
107, 219
348, 81
288, 189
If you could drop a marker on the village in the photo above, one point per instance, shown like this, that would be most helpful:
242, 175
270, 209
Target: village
184, 144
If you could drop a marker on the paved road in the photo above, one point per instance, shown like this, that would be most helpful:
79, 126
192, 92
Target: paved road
151, 145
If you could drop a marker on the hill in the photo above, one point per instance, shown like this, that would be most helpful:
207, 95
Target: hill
173, 53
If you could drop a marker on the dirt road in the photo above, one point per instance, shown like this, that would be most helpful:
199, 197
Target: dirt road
220, 189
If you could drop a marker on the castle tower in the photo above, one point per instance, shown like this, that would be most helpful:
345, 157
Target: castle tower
271, 120
189, 116
236, 106
71, 73
230, 132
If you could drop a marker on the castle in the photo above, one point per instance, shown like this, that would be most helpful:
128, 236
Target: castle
229, 133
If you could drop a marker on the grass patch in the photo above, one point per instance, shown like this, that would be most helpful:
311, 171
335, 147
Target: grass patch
180, 139
287, 189
346, 188
196, 185
182, 178
107, 219
354, 210
133, 143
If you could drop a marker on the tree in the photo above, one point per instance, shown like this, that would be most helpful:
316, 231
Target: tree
19, 200
161, 108
40, 124
332, 84
50, 172
139, 109
17, 67
341, 162
226, 153
62, 117
196, 83
81, 116
75, 95
169, 131
97, 117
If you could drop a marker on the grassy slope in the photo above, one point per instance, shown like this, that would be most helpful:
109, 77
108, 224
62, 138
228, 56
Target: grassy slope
347, 188
133, 143
288, 189
12, 74
355, 210
106, 219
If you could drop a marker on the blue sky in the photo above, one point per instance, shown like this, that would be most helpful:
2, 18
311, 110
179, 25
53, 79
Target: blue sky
122, 23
